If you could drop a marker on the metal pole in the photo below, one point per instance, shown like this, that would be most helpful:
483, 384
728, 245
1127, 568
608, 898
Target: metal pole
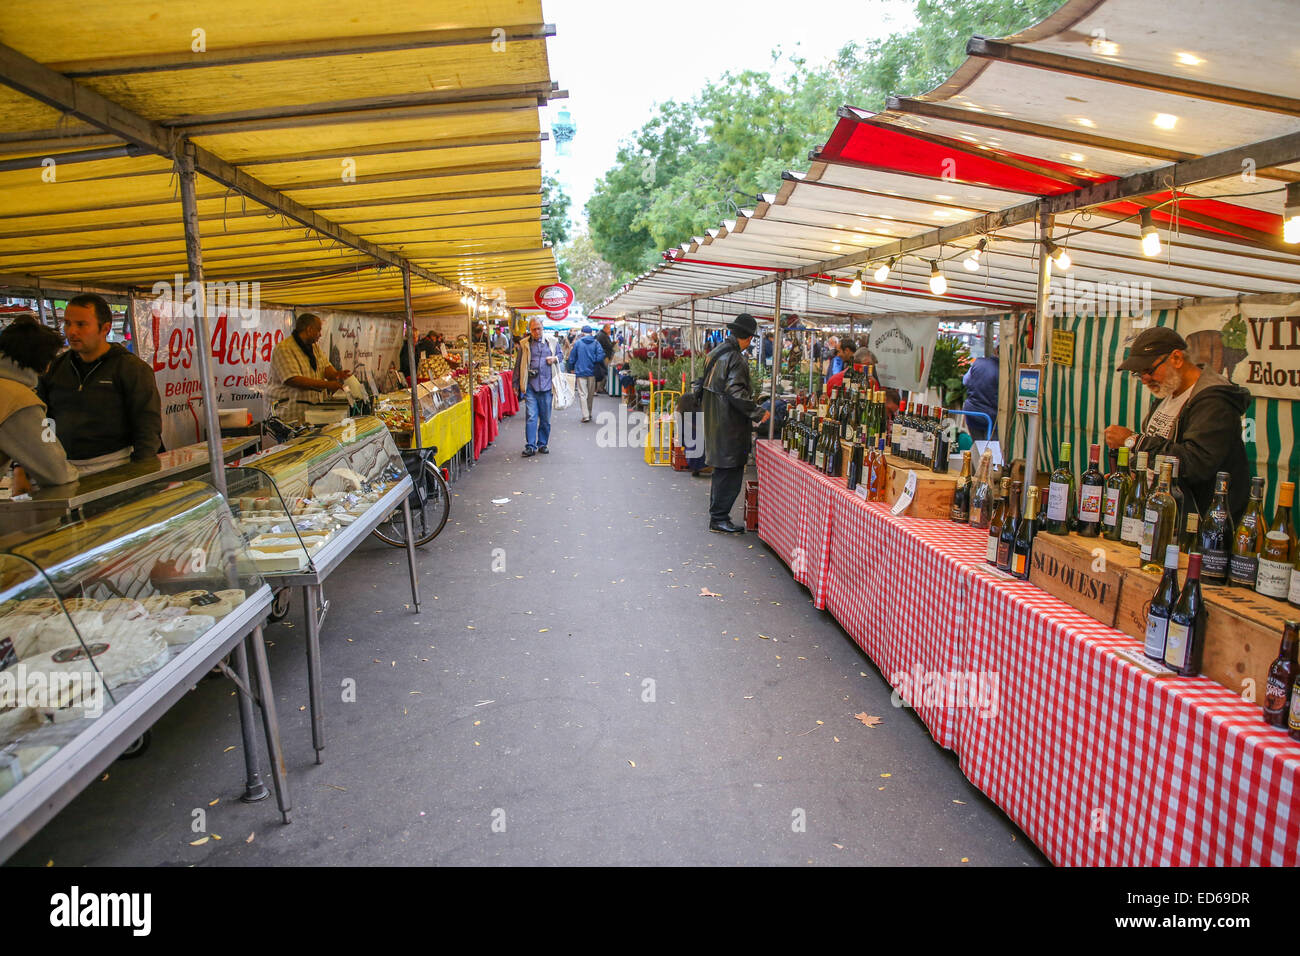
417, 418
692, 340
776, 360
659, 348
473, 398
1040, 334
194, 254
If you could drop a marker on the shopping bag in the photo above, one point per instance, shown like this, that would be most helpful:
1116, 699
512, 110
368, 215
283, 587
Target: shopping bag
562, 389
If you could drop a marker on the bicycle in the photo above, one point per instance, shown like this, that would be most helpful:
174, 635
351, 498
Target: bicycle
430, 501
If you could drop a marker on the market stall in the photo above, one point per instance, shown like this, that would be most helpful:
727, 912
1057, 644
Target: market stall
1101, 759
107, 622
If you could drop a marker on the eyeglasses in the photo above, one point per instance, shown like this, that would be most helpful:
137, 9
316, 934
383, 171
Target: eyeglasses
1152, 370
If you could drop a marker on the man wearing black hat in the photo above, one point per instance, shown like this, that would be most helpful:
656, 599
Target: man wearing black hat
729, 410
1198, 420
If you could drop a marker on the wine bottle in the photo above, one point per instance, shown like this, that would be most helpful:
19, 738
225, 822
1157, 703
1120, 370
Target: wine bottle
929, 434
1023, 548
1119, 488
1191, 543
835, 452
1162, 606
1061, 499
855, 464
1277, 556
896, 431
1281, 677
1216, 534
997, 518
1176, 489
1293, 595
1007, 540
1158, 521
1186, 637
981, 496
1092, 489
960, 510
1130, 515
1248, 540
939, 461
819, 451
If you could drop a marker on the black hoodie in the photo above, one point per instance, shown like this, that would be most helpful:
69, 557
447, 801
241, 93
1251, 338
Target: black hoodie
1207, 440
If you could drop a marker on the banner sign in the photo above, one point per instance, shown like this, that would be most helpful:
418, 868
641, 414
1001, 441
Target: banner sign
1253, 345
240, 346
903, 349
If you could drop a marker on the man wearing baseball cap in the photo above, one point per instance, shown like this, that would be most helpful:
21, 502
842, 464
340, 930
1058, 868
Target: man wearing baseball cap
1198, 419
729, 410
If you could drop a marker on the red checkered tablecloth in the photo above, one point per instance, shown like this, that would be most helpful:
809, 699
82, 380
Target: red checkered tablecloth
1100, 762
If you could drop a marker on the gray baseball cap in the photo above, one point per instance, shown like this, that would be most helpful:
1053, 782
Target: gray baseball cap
1151, 345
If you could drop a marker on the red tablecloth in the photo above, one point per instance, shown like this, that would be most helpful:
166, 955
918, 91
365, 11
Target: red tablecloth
1098, 761
485, 420
509, 401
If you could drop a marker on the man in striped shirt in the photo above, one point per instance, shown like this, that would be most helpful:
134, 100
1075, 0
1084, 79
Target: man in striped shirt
300, 373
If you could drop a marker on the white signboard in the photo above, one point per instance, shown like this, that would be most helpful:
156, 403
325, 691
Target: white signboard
904, 349
1253, 345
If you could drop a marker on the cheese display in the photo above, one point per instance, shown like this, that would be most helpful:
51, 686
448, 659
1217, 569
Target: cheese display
92, 610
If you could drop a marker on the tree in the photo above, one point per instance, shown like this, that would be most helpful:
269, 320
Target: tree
556, 227
591, 277
698, 162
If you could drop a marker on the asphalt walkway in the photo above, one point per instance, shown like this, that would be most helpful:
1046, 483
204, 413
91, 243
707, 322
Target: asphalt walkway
570, 694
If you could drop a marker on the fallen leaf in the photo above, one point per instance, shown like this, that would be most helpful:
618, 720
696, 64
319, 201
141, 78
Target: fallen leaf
705, 592
886, 774
837, 846
303, 707
960, 803
250, 837
764, 637
836, 739
376, 660
216, 836
215, 802
868, 719
103, 778
819, 723
631, 763
477, 722
965, 859
469, 627
543, 630
199, 842
228, 749
750, 697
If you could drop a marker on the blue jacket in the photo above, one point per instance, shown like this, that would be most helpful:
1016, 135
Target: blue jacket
586, 358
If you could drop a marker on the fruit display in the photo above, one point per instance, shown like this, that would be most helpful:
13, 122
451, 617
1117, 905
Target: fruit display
434, 368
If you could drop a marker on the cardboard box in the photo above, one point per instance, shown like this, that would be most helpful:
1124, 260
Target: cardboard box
933, 498
1085, 573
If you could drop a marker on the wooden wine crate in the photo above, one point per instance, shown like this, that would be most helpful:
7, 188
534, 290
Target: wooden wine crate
1085, 573
934, 492
1242, 629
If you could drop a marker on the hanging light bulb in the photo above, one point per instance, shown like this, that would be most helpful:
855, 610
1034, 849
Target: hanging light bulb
972, 261
1150, 238
834, 290
882, 270
1058, 253
1291, 216
938, 283
856, 288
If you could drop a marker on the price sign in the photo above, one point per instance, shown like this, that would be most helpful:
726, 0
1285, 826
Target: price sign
909, 492
1063, 348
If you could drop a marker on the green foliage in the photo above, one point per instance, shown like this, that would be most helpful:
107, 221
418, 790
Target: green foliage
699, 162
951, 360
591, 277
556, 227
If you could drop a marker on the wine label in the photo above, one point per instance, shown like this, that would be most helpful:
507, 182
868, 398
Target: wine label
896, 434
1293, 595
820, 460
1131, 530
1157, 629
993, 549
1148, 535
927, 446
1090, 503
1214, 564
1004, 554
1058, 494
1018, 564
1273, 578
1176, 645
1111, 514
1293, 721
1242, 570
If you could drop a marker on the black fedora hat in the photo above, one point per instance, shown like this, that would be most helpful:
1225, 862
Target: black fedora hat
743, 326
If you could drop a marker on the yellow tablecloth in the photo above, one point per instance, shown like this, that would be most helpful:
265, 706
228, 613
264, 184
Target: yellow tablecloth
450, 430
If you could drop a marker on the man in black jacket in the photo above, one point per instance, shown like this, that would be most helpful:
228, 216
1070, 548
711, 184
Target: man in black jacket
729, 410
607, 344
1198, 420
103, 399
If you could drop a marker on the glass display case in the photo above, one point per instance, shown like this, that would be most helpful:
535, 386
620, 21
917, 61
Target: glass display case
93, 613
293, 500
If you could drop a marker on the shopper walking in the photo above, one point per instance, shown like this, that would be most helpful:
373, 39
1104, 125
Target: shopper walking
532, 371
587, 363
729, 410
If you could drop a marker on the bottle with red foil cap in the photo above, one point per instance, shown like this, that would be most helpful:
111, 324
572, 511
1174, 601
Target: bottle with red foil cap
1092, 495
1186, 636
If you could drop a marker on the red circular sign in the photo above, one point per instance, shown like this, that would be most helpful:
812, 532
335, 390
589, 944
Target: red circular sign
558, 316
553, 298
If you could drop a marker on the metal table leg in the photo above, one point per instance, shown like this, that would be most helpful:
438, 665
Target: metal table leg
410, 552
310, 599
270, 723
254, 788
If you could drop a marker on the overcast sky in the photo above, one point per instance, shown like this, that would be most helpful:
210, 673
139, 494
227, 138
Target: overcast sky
618, 59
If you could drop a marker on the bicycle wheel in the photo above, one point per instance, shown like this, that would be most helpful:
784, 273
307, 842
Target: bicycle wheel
430, 506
